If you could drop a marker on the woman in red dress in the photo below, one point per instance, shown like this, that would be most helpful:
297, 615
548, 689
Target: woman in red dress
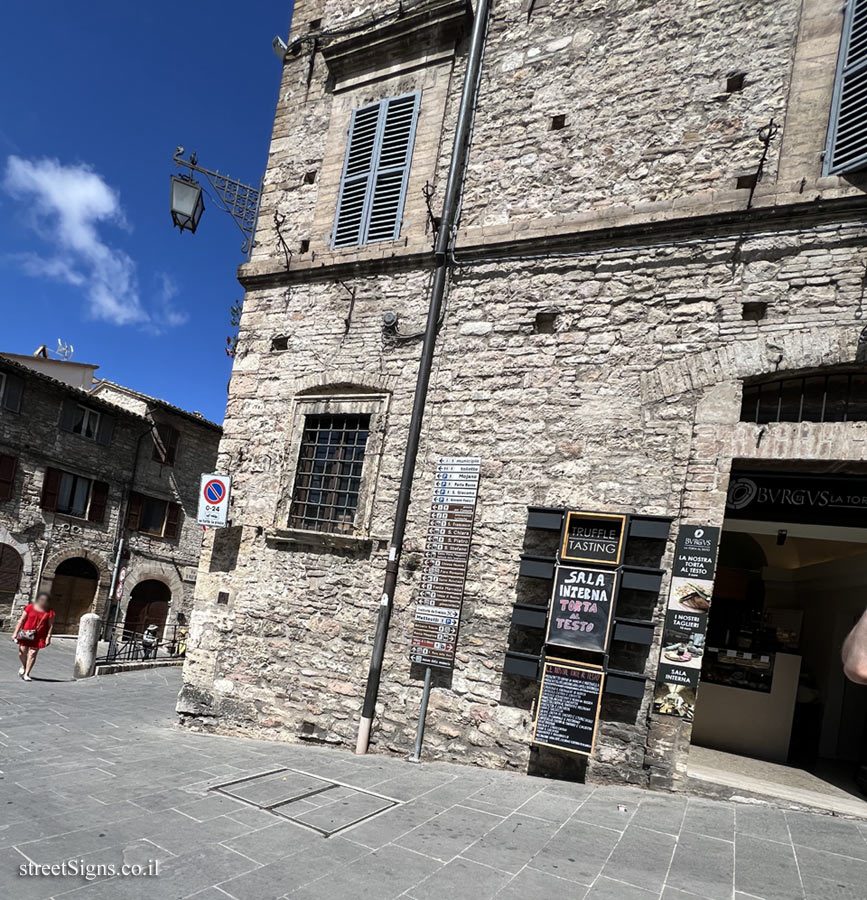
33, 632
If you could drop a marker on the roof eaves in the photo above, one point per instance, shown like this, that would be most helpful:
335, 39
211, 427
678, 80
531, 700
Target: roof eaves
27, 372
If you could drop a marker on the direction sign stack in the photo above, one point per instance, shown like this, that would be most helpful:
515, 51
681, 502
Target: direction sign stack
444, 570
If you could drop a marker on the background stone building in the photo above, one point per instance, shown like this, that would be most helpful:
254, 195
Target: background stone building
651, 228
82, 469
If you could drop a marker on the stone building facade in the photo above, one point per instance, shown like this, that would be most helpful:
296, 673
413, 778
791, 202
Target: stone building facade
646, 228
82, 471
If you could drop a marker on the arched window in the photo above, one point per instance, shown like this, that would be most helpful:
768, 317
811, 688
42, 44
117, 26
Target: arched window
10, 572
838, 396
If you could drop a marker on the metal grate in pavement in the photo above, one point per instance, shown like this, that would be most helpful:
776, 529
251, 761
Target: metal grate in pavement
322, 805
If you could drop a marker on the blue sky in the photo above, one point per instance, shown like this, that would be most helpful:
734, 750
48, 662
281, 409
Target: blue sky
96, 97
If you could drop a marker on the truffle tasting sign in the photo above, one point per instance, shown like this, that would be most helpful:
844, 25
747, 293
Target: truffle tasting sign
593, 538
581, 608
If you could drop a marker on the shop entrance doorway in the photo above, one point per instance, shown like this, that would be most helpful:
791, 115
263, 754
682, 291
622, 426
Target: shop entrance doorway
775, 714
72, 593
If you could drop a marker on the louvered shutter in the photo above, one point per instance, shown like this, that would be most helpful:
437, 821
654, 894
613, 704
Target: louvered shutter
106, 429
68, 413
98, 502
51, 489
376, 171
10, 569
846, 149
165, 444
12, 391
8, 464
133, 513
173, 520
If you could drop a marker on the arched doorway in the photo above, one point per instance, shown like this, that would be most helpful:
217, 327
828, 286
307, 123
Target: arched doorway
148, 605
72, 592
11, 565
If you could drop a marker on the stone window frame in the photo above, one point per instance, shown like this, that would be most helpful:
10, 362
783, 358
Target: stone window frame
374, 404
431, 81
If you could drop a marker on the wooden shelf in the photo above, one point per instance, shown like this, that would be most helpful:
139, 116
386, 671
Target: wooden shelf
545, 518
524, 665
634, 631
529, 615
642, 578
537, 566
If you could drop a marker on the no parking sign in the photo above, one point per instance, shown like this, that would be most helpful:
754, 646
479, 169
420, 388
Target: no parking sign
214, 500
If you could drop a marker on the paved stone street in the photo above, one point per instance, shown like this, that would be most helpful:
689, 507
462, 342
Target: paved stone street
95, 771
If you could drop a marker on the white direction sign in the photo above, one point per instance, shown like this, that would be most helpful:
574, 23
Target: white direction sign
214, 500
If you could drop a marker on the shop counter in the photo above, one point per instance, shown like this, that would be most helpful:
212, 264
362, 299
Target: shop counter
751, 722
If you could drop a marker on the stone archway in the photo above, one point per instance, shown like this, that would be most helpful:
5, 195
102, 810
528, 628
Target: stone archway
153, 571
11, 605
148, 604
717, 439
763, 355
73, 593
54, 577
11, 565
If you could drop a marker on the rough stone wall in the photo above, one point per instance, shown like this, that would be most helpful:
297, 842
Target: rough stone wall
45, 539
558, 419
607, 411
669, 129
173, 560
34, 437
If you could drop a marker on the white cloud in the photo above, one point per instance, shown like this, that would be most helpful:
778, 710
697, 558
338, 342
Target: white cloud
166, 312
69, 204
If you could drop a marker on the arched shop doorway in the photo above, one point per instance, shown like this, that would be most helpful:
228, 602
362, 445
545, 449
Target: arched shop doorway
72, 593
791, 581
11, 565
148, 605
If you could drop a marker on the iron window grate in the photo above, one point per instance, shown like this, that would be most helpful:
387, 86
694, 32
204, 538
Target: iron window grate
810, 398
328, 476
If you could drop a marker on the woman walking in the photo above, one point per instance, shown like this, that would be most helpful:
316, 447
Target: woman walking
33, 632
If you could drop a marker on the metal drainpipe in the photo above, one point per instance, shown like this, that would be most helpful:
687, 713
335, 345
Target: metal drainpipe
121, 520
442, 249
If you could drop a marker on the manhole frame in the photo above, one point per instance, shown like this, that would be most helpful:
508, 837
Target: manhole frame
330, 783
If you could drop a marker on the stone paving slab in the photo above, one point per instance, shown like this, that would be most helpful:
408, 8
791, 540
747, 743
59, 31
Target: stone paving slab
98, 773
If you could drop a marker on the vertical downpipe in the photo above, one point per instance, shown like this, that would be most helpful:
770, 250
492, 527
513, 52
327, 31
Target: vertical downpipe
442, 250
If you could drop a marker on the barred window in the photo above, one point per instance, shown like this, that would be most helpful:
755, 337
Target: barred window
328, 477
812, 398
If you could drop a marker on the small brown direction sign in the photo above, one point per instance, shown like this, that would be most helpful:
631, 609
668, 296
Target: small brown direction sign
444, 567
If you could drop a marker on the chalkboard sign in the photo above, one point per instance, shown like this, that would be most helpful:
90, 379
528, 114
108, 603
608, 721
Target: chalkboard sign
593, 537
581, 607
568, 706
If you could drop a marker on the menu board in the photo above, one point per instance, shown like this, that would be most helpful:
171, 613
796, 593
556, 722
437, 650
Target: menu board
593, 537
683, 636
581, 608
444, 568
568, 706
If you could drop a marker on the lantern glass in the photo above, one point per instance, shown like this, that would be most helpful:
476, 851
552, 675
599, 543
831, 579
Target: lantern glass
187, 203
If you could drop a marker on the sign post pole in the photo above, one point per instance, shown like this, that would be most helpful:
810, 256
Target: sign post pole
444, 571
422, 715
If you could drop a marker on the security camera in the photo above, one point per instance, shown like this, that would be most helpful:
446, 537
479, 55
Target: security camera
278, 45
389, 320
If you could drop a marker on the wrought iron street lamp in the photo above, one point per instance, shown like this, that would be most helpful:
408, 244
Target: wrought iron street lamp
187, 202
239, 200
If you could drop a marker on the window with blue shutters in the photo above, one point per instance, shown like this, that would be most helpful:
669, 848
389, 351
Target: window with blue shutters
846, 150
376, 171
